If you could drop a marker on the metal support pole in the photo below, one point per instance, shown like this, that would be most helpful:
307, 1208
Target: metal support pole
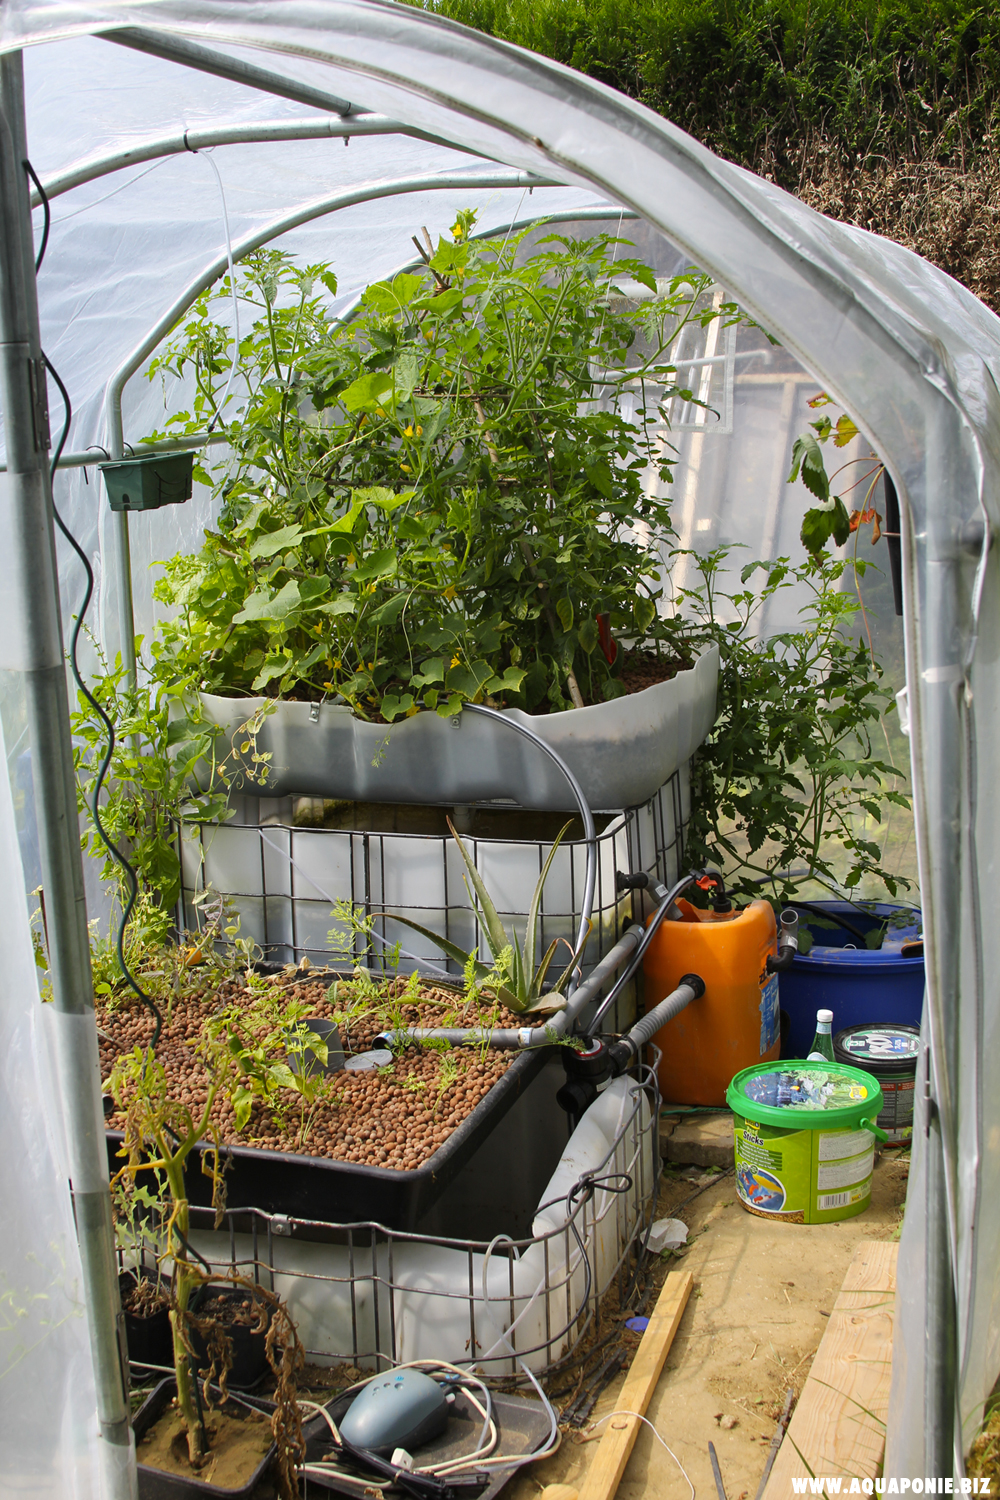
31, 642
222, 65
940, 1331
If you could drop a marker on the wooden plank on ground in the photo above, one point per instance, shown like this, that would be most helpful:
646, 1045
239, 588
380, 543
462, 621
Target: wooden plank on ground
838, 1426
605, 1472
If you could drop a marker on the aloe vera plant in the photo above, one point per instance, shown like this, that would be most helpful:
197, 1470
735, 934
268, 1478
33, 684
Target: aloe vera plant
514, 975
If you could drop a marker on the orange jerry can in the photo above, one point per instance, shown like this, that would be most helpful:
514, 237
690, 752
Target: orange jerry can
735, 1023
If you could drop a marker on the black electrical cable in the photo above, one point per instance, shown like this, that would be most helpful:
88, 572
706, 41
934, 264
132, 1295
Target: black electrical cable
47, 212
112, 848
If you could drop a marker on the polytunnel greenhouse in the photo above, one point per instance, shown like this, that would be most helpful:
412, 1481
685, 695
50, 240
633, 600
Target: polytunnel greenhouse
190, 187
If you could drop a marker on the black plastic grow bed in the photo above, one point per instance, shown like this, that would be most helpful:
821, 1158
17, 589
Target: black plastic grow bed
338, 1192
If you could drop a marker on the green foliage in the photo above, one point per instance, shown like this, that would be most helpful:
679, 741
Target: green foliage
875, 77
146, 933
433, 501
790, 769
514, 976
156, 765
277, 1054
829, 520
160, 1134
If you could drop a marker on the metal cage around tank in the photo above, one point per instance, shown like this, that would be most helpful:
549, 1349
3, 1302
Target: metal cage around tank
285, 880
373, 1297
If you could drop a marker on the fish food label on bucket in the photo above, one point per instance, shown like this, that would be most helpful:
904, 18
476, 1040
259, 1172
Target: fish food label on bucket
802, 1176
769, 1170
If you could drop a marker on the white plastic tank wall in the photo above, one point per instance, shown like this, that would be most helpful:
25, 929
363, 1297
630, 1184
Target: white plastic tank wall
448, 1303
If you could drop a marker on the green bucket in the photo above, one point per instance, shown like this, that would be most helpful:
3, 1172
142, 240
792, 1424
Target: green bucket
805, 1140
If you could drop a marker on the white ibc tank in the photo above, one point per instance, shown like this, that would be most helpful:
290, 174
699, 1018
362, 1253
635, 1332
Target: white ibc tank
441, 1307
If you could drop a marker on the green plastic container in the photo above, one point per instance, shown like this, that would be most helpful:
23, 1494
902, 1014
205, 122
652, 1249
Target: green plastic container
150, 482
805, 1140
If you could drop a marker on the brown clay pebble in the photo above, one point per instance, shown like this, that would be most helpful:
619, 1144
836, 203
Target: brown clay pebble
377, 1119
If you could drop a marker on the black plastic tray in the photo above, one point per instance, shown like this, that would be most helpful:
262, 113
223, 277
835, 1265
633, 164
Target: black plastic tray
157, 1484
522, 1425
340, 1192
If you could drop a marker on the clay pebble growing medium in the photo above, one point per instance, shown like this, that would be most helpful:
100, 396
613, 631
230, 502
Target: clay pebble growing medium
395, 1117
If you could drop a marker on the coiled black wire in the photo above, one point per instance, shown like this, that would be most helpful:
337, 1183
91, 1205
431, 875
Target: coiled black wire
95, 811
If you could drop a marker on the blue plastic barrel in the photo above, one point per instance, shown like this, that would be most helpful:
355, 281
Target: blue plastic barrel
862, 986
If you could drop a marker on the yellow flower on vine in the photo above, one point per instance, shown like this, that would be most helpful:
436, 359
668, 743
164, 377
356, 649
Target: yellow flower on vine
450, 593
455, 661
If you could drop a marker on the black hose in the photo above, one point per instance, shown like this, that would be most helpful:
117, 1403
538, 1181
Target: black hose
835, 917
643, 944
113, 850
47, 215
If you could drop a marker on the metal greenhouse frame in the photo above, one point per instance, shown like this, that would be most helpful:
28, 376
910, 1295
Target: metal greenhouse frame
912, 356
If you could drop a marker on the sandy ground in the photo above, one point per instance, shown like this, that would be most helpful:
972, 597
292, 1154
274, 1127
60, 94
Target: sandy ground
757, 1313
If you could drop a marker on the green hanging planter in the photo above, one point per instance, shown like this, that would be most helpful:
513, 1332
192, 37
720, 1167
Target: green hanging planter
148, 483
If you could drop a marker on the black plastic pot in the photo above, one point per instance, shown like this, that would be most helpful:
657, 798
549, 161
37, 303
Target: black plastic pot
150, 1340
156, 1484
342, 1192
249, 1348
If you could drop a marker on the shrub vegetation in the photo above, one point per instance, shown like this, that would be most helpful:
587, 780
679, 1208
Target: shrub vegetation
884, 113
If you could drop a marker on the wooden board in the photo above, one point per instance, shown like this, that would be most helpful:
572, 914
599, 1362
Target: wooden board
605, 1472
838, 1426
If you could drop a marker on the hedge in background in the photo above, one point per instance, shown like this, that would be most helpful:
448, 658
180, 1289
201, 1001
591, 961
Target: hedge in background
885, 113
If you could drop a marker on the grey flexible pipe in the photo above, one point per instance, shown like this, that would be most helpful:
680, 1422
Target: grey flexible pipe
587, 817
647, 937
788, 942
623, 1052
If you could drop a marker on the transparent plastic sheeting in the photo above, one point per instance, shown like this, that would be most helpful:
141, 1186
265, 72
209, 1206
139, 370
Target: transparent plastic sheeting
910, 354
48, 1422
147, 232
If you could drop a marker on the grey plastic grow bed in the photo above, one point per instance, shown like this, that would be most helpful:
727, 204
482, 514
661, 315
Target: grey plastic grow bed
620, 752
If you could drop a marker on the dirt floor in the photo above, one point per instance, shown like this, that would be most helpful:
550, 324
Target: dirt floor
761, 1297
